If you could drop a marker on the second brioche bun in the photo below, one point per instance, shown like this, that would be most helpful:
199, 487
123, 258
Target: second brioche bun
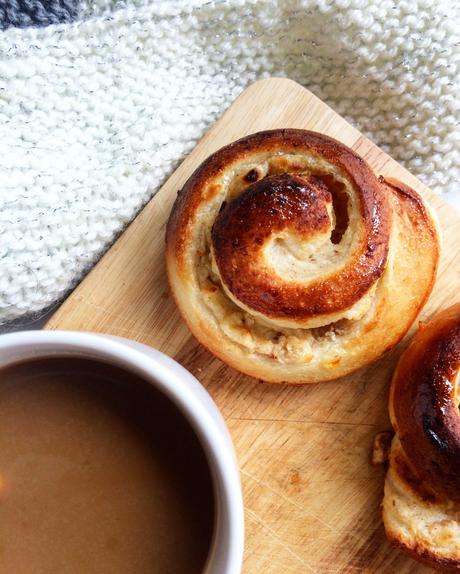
421, 507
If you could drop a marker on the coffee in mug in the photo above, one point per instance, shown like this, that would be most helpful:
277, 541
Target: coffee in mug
99, 473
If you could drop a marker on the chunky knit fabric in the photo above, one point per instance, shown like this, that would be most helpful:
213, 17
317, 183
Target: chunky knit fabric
24, 13
94, 115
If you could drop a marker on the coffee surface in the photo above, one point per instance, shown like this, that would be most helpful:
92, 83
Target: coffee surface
99, 473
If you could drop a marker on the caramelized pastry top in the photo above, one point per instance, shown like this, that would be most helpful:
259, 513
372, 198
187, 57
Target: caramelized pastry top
424, 404
290, 259
305, 235
270, 242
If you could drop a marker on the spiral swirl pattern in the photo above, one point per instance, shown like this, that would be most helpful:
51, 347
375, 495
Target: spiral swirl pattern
283, 250
277, 257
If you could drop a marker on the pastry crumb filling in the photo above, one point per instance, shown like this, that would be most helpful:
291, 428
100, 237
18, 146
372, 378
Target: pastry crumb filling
283, 344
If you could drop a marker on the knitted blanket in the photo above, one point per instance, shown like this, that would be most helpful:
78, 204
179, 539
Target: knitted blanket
97, 111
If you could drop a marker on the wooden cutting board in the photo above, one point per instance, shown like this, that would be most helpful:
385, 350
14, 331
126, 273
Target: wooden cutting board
312, 498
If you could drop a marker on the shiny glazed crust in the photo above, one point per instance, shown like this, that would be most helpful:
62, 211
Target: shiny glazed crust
421, 507
256, 216
292, 262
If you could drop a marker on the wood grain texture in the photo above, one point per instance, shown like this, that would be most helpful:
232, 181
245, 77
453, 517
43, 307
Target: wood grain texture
312, 498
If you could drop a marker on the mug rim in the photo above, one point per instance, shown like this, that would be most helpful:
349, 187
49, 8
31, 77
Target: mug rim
166, 375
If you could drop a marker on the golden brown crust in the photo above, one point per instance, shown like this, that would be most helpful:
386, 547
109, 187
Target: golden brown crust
426, 557
418, 521
424, 403
421, 506
280, 202
419, 213
292, 262
191, 195
422, 221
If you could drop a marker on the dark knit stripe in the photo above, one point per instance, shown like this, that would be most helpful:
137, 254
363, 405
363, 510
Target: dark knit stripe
24, 13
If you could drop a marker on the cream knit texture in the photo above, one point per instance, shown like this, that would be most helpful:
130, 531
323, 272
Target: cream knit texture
96, 114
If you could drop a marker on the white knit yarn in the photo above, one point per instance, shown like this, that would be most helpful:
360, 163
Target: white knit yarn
95, 115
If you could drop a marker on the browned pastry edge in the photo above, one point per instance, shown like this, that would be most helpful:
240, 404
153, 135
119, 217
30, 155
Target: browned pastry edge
407, 192
358, 171
422, 403
412, 480
426, 557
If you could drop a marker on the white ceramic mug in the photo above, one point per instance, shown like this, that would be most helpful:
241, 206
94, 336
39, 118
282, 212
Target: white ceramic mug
186, 393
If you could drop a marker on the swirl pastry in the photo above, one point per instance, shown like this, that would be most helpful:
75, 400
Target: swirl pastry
292, 262
421, 507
